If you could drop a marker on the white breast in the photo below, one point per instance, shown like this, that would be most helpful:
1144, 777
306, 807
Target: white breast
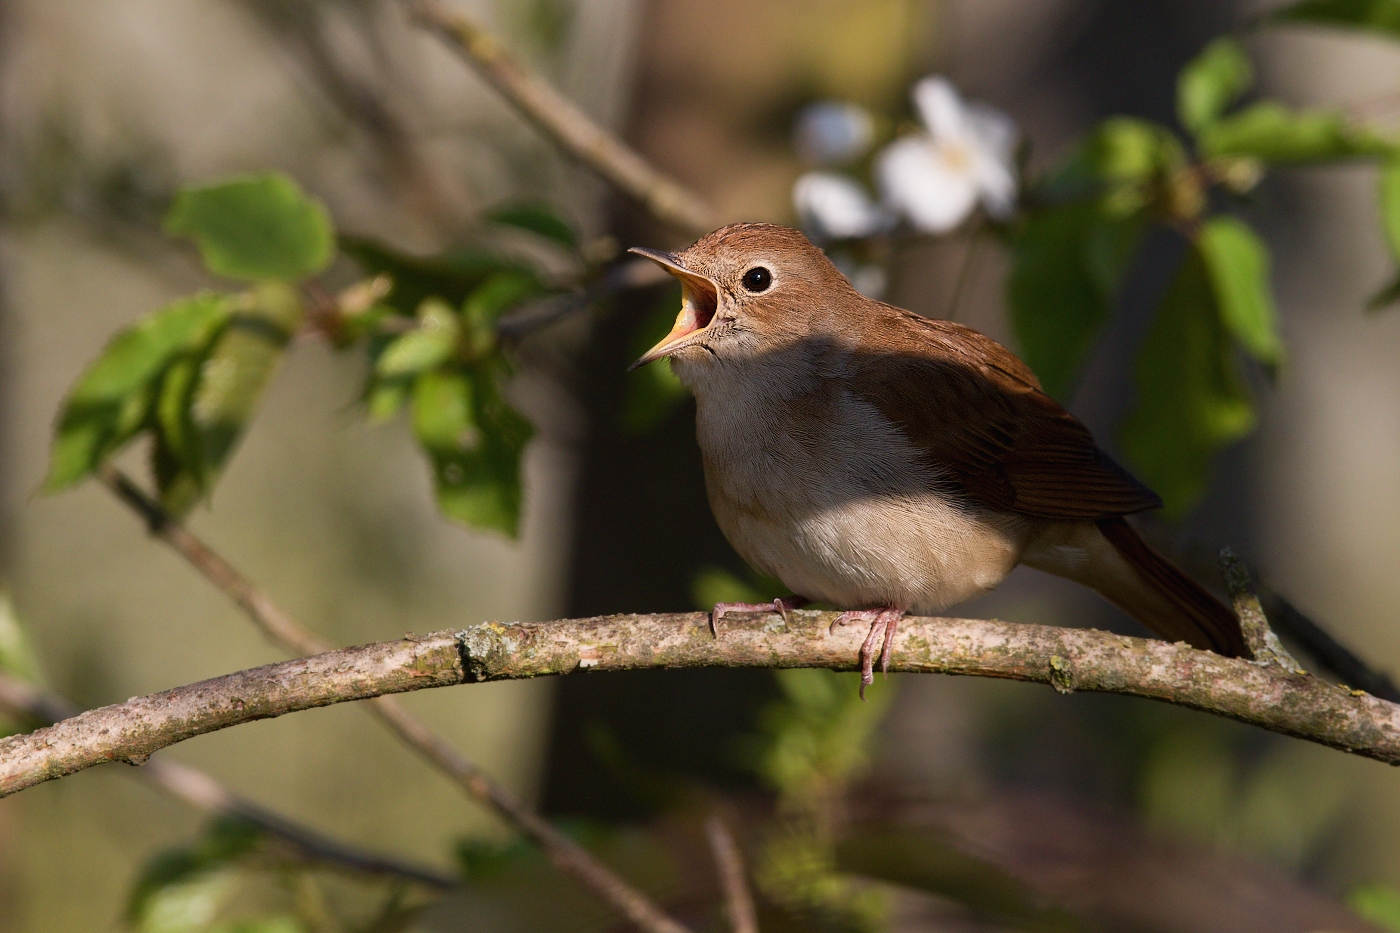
840, 507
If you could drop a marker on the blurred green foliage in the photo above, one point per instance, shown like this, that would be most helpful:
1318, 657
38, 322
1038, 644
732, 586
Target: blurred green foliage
190, 376
1084, 222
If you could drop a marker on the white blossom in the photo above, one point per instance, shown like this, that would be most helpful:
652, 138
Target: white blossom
832, 132
835, 206
936, 178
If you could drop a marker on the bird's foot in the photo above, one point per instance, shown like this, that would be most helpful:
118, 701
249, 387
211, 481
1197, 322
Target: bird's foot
782, 606
883, 624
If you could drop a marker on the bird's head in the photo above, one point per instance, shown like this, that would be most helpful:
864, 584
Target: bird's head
747, 290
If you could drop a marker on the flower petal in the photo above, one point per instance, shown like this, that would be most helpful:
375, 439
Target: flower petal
927, 183
835, 206
832, 132
940, 108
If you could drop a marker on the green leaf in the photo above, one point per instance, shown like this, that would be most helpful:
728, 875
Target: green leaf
484, 307
1191, 400
385, 397
1273, 133
652, 393
474, 441
451, 276
1238, 264
1211, 82
1067, 264
224, 843
207, 398
429, 344
16, 653
1387, 296
1378, 903
113, 399
1390, 204
1379, 16
260, 227
538, 219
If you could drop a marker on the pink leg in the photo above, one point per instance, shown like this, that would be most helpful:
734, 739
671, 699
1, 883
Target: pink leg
782, 606
883, 622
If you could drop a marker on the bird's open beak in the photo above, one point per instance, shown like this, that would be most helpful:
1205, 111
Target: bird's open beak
699, 299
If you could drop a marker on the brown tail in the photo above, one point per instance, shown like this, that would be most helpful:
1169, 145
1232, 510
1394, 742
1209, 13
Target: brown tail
1199, 618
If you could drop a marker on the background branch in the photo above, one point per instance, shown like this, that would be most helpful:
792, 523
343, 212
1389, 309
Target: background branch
567, 855
1268, 696
563, 122
23, 701
733, 880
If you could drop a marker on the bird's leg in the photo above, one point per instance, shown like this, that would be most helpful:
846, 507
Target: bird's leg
782, 606
883, 624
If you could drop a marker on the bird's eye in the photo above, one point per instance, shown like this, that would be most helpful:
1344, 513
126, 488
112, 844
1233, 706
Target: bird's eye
758, 279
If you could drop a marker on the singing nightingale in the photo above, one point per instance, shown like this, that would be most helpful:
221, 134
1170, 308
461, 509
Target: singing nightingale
885, 463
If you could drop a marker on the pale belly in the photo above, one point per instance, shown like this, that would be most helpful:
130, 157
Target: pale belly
833, 543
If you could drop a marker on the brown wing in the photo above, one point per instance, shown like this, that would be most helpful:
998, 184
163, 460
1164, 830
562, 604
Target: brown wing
978, 413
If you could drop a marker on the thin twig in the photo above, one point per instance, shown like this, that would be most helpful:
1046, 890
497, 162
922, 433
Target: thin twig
964, 272
567, 125
1263, 643
1329, 653
24, 701
738, 901
1265, 695
279, 627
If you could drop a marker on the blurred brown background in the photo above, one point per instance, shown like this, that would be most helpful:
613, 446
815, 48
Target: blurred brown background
106, 107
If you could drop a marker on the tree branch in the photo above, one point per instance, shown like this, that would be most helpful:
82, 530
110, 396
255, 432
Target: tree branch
1268, 696
564, 123
23, 701
738, 900
566, 855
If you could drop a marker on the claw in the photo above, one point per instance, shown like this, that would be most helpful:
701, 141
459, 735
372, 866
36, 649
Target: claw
883, 625
782, 606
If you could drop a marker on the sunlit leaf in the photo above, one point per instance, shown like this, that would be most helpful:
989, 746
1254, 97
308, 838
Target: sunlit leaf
1211, 82
16, 653
113, 400
1238, 264
1379, 16
497, 295
429, 344
1067, 265
207, 399
224, 843
1191, 400
1273, 133
538, 219
1378, 903
261, 227
1390, 204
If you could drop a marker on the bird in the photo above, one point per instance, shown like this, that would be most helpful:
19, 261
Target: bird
887, 463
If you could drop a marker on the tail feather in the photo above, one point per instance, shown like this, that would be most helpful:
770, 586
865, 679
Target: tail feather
1201, 620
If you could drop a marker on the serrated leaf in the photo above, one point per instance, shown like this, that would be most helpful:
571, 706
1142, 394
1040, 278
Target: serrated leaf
112, 400
1273, 133
1067, 264
537, 219
1211, 82
1238, 264
261, 227
207, 399
1191, 400
428, 345
1379, 16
